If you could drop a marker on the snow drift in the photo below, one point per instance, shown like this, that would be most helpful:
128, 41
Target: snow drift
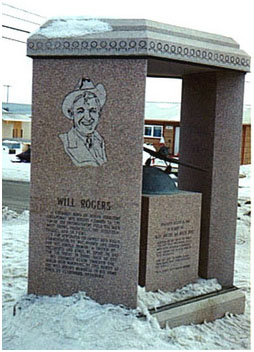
80, 323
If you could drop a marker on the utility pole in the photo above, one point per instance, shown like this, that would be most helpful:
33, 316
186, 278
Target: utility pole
7, 90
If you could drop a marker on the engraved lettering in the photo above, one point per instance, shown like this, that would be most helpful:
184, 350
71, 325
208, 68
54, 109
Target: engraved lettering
75, 242
66, 202
173, 246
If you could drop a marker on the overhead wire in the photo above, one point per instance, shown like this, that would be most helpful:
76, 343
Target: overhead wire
17, 8
21, 19
15, 40
16, 29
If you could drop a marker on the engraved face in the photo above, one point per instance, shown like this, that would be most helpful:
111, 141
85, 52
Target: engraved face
86, 113
82, 143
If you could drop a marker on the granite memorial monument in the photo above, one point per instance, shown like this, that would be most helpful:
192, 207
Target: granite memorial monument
87, 138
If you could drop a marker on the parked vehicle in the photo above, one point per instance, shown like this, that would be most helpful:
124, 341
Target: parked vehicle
25, 156
13, 146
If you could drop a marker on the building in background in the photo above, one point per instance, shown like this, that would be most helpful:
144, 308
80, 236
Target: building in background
16, 121
163, 120
246, 136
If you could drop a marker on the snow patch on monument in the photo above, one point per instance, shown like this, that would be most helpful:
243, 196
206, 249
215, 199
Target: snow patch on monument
68, 27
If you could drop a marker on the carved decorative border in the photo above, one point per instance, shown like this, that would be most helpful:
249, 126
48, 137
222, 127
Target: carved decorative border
136, 47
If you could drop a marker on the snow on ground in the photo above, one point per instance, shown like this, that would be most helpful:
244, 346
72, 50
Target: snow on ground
245, 182
14, 171
78, 322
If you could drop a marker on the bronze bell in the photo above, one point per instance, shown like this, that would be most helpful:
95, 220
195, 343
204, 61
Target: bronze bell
157, 182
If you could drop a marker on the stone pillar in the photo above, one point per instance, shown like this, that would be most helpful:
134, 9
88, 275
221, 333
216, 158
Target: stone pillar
85, 205
210, 137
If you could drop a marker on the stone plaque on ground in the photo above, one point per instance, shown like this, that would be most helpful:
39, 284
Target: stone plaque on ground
170, 235
85, 200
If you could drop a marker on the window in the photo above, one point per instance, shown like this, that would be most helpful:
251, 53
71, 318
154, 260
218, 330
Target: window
153, 131
12, 145
17, 133
148, 131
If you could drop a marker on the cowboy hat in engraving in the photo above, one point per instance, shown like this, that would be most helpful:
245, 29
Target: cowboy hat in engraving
82, 143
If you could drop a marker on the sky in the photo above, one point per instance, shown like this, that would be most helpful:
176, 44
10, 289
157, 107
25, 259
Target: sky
226, 17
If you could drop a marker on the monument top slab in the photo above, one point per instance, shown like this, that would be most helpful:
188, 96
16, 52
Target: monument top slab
82, 36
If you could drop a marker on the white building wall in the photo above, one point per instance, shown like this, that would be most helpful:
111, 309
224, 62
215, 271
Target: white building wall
6, 130
26, 126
